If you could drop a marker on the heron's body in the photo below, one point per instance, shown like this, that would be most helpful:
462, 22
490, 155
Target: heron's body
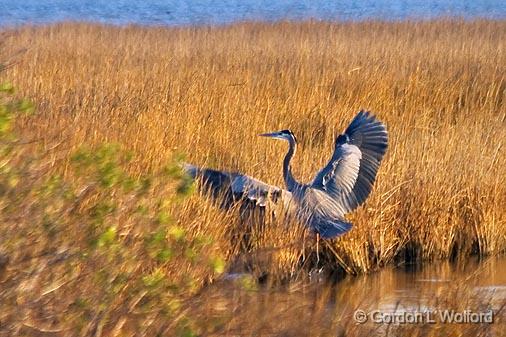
319, 211
340, 187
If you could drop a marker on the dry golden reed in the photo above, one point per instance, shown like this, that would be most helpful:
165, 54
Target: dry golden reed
208, 91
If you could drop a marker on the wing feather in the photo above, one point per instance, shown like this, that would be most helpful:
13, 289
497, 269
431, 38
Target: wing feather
232, 187
340, 174
352, 183
371, 137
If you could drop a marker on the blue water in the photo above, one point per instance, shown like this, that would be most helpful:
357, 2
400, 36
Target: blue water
194, 12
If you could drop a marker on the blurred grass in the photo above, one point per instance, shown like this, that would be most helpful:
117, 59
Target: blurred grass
78, 253
150, 93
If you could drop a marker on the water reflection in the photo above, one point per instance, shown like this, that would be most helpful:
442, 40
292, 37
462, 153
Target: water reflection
408, 287
310, 309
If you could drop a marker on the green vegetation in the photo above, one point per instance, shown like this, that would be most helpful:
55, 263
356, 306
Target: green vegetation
102, 237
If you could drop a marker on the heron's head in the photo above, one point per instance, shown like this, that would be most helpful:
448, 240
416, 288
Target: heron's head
283, 134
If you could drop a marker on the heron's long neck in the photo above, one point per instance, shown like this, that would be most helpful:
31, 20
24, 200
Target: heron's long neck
290, 182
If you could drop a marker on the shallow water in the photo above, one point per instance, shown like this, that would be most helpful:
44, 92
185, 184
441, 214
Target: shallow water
194, 12
427, 294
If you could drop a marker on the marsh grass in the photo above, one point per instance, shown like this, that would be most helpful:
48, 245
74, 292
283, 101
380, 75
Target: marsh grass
439, 87
207, 92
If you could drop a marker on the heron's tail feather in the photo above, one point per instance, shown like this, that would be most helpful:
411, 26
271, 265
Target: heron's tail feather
329, 229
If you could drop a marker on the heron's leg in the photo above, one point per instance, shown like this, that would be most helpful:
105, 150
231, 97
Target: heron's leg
304, 248
317, 250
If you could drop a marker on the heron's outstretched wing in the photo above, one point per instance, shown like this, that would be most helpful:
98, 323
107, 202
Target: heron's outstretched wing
341, 172
233, 187
350, 173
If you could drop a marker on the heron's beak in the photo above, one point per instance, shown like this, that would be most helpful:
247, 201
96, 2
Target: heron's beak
272, 135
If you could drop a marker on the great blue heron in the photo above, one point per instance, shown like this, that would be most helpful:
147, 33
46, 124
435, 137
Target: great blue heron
340, 187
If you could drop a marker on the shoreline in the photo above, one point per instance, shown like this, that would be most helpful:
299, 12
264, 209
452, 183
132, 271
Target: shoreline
253, 22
